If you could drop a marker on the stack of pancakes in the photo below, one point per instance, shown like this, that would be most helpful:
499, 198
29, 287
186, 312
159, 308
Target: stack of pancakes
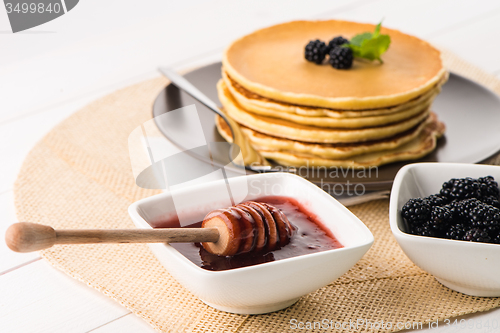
298, 113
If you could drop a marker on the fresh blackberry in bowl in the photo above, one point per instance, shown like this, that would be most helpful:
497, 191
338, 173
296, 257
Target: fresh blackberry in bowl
465, 188
455, 208
475, 213
462, 188
337, 41
436, 200
427, 229
488, 187
476, 235
416, 211
484, 215
496, 240
464, 208
440, 218
455, 231
315, 51
341, 57
494, 233
491, 200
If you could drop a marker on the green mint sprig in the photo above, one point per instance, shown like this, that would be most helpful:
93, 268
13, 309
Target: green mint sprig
370, 45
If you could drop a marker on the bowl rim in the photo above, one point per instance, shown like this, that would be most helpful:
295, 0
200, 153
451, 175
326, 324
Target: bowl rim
395, 216
140, 222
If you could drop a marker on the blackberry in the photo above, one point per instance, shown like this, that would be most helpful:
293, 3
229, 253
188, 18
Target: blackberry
455, 208
426, 229
492, 201
337, 41
341, 57
493, 232
440, 218
416, 211
476, 235
456, 231
484, 215
496, 240
488, 187
316, 51
462, 188
463, 208
465, 188
436, 200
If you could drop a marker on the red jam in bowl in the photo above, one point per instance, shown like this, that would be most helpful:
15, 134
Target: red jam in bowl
311, 236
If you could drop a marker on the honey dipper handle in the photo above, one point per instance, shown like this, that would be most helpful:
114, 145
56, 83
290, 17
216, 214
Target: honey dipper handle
28, 237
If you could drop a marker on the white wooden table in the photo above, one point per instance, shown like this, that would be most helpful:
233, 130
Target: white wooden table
50, 71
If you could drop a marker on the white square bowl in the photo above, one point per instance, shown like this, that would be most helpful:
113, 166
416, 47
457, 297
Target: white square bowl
269, 286
467, 267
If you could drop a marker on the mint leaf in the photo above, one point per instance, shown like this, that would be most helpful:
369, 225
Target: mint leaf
373, 48
356, 50
370, 46
358, 39
377, 30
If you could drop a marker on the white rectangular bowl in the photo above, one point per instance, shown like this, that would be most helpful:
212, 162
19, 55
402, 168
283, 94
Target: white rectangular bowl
467, 267
269, 286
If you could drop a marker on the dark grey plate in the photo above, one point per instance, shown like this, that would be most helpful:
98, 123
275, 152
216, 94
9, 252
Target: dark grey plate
470, 111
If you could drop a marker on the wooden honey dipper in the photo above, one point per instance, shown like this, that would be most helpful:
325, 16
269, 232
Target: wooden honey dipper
247, 227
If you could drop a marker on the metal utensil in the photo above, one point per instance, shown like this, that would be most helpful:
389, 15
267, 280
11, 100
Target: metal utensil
251, 158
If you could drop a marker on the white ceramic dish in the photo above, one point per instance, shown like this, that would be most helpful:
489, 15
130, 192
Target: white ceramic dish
265, 287
468, 267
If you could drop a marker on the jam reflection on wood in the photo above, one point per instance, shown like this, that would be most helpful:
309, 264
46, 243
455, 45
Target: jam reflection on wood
310, 237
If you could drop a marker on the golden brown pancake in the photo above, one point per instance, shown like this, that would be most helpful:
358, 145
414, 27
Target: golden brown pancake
416, 144
351, 122
270, 63
262, 105
288, 130
332, 151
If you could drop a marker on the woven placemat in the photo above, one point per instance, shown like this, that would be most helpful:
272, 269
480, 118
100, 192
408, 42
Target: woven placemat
79, 176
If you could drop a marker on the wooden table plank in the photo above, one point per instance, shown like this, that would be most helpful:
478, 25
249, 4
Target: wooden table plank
10, 259
38, 298
126, 324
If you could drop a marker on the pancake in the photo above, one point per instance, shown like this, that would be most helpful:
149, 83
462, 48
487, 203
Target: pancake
353, 122
262, 141
262, 105
288, 130
415, 148
270, 63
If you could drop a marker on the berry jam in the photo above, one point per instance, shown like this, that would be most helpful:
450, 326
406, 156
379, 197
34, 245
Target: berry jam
311, 236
